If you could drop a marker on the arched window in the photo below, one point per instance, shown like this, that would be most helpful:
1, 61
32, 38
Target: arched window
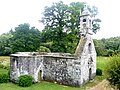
84, 20
89, 48
89, 23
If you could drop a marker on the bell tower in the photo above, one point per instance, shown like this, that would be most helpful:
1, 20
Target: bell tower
85, 50
85, 21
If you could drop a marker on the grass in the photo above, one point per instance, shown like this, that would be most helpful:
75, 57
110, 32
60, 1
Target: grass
5, 60
3, 71
101, 63
38, 86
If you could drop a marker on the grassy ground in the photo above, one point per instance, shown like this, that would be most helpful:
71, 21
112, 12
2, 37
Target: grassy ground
5, 60
39, 86
101, 63
3, 71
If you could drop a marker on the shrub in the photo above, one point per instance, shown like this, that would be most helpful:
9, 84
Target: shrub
113, 71
4, 78
25, 80
1, 66
110, 52
99, 72
43, 49
4, 67
9, 74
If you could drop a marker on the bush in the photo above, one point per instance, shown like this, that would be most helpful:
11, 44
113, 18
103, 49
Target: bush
110, 52
113, 71
4, 78
4, 67
9, 74
25, 80
99, 72
43, 49
1, 66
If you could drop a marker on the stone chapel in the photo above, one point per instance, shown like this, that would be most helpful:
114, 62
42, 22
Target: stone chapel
64, 68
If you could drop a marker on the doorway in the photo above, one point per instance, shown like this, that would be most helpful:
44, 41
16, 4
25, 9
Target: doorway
90, 74
40, 75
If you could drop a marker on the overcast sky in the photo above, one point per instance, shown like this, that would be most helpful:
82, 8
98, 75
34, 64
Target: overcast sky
15, 12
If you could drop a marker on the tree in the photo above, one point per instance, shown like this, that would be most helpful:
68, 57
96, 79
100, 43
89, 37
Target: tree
43, 49
112, 45
107, 47
55, 20
113, 71
96, 25
5, 43
25, 38
100, 48
62, 25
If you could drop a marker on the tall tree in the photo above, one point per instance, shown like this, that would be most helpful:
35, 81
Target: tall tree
100, 48
25, 38
62, 25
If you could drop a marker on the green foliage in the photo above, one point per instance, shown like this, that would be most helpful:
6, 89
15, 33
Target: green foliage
56, 19
99, 71
8, 73
102, 61
43, 49
4, 67
113, 71
25, 38
107, 47
96, 25
1, 66
100, 48
110, 52
62, 26
5, 48
62, 16
4, 78
25, 80
61, 32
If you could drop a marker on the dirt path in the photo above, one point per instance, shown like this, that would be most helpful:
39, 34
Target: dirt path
101, 86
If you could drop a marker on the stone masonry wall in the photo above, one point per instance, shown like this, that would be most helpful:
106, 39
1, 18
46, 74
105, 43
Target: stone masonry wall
21, 65
56, 67
62, 69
